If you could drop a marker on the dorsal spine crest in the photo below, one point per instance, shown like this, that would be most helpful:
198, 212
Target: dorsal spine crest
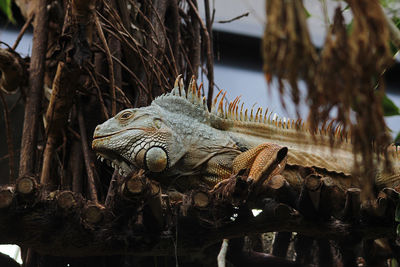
229, 111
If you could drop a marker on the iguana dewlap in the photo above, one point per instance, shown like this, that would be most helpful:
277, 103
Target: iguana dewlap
179, 139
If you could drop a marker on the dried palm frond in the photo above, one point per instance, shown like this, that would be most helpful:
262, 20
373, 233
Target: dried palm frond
346, 75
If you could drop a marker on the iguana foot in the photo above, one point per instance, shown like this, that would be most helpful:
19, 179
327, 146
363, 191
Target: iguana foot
259, 159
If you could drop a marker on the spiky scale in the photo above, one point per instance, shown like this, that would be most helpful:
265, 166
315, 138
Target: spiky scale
176, 84
205, 103
189, 95
236, 112
241, 112
181, 89
214, 103
199, 90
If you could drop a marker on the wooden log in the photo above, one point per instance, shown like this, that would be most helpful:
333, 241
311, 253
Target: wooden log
93, 213
155, 189
376, 252
276, 182
325, 256
303, 246
352, 205
275, 209
138, 186
313, 184
391, 193
6, 196
305, 204
86, 231
347, 251
200, 199
332, 199
26, 185
174, 196
255, 242
65, 200
281, 244
143, 191
133, 186
375, 208
155, 203
278, 188
238, 257
382, 204
12, 70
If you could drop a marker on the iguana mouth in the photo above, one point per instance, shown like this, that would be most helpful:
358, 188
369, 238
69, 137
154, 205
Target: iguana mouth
97, 137
117, 162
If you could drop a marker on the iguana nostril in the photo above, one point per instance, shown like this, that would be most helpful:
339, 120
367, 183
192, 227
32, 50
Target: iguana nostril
156, 159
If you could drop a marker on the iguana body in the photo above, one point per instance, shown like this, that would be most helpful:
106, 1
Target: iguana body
184, 143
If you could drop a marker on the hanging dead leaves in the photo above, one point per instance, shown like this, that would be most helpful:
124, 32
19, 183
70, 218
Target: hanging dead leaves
346, 75
287, 49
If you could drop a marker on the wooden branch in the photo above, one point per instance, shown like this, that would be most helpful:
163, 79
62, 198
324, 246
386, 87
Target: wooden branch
13, 73
23, 30
210, 61
9, 137
76, 164
195, 53
87, 158
115, 46
176, 39
62, 95
210, 52
110, 64
34, 96
111, 189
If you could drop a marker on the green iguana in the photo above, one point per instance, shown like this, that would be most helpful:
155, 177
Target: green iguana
180, 140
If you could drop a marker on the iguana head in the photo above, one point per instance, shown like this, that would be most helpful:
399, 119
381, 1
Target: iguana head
156, 137
138, 138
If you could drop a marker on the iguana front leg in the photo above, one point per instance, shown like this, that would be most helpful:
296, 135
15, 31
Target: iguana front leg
259, 159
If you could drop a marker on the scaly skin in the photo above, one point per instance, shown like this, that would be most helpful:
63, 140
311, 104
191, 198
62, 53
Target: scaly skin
180, 141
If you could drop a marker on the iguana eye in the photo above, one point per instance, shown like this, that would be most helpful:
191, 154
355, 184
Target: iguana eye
126, 115
157, 123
